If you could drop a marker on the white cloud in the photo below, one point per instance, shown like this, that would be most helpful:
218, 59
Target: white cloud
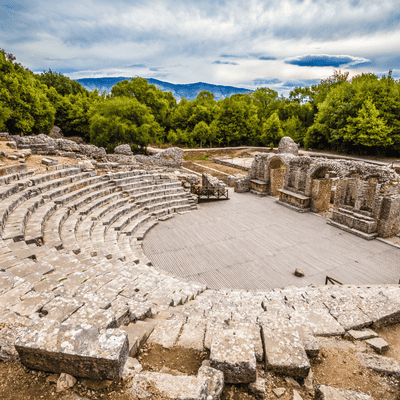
181, 41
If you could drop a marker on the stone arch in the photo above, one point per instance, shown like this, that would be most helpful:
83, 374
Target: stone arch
273, 162
319, 170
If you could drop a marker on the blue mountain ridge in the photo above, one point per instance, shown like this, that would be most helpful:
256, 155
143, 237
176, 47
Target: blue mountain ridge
189, 91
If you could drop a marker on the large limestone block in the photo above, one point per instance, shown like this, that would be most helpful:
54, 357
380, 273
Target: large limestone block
232, 352
79, 350
173, 387
384, 365
192, 336
330, 393
284, 352
8, 335
215, 381
166, 333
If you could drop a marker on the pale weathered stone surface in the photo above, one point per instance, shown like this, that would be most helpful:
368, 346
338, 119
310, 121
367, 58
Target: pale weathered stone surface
8, 335
385, 365
279, 392
330, 393
215, 381
309, 381
192, 336
378, 344
123, 149
174, 387
362, 335
232, 352
284, 353
64, 382
166, 333
258, 387
296, 395
79, 350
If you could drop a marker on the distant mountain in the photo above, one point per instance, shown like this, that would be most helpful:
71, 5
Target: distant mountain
189, 91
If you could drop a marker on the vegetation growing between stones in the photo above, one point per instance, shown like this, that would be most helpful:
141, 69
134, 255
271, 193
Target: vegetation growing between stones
359, 115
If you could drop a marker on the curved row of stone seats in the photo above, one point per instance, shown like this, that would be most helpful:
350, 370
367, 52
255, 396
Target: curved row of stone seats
16, 176
54, 283
15, 226
38, 185
14, 195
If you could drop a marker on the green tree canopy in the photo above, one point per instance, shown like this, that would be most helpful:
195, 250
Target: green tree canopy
122, 120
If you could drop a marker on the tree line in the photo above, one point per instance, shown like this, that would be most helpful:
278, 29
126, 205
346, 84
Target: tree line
359, 115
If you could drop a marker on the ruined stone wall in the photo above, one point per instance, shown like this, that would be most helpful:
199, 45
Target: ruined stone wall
389, 223
320, 194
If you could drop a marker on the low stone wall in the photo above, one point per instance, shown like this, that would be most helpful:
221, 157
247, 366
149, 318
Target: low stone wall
229, 163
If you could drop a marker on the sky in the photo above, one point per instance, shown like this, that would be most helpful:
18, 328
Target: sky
278, 44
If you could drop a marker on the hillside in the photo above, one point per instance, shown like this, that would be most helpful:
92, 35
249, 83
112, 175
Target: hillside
189, 91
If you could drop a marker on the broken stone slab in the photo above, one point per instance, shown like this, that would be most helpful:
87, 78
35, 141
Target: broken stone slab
232, 352
362, 335
348, 314
296, 395
384, 365
8, 335
378, 344
284, 352
173, 387
49, 161
279, 392
320, 321
192, 336
79, 350
258, 388
166, 333
323, 392
215, 381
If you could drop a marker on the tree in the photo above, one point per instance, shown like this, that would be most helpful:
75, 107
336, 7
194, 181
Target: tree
24, 104
367, 128
202, 132
160, 103
61, 83
122, 120
272, 131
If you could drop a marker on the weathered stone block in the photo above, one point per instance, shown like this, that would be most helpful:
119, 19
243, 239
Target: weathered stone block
232, 352
192, 336
378, 344
215, 381
173, 387
79, 350
166, 333
284, 352
330, 393
384, 365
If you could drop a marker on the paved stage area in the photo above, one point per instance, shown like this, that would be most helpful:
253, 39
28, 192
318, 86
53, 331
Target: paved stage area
251, 242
